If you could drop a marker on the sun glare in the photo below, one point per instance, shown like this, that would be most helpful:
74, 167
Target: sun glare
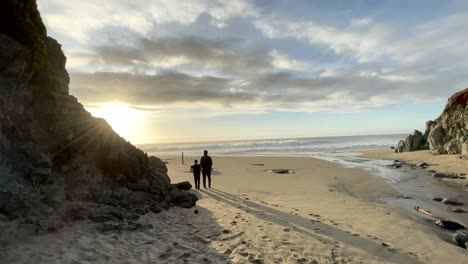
121, 117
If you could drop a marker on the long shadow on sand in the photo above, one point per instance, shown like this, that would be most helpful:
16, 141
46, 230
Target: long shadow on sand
178, 236
312, 228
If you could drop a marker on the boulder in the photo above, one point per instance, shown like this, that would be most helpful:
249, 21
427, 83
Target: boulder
461, 238
412, 142
184, 186
436, 139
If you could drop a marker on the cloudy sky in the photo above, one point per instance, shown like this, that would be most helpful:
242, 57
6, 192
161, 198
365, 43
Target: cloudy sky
195, 70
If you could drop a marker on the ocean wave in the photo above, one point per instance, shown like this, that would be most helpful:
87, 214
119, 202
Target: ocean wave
293, 146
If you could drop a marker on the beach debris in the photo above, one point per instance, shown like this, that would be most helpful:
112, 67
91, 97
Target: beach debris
282, 171
437, 199
451, 201
422, 165
442, 222
461, 238
195, 212
404, 197
258, 164
439, 175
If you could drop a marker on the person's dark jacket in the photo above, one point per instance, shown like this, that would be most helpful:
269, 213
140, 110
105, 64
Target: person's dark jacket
206, 163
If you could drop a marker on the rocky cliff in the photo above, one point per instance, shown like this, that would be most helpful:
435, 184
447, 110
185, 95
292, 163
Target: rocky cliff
56, 160
448, 134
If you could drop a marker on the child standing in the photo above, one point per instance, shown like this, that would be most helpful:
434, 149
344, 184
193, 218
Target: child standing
196, 168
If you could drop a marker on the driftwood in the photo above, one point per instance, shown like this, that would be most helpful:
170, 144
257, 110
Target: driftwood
444, 223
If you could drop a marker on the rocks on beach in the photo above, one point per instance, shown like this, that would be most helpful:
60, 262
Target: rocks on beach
451, 201
461, 238
447, 134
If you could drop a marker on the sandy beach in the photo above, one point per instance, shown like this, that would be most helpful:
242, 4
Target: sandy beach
319, 213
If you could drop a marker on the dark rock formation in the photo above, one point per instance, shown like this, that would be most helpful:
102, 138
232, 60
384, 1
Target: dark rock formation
52, 151
461, 238
448, 134
413, 142
184, 186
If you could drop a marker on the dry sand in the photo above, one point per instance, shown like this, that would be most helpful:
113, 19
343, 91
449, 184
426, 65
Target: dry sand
318, 214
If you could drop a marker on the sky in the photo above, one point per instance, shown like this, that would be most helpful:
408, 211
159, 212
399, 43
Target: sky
197, 70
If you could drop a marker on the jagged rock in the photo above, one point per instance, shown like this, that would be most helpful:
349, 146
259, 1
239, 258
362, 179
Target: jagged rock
400, 147
157, 164
436, 139
452, 147
448, 134
412, 142
183, 199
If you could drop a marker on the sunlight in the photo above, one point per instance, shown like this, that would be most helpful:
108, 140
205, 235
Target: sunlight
127, 122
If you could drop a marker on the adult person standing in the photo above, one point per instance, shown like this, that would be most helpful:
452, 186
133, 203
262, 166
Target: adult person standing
206, 165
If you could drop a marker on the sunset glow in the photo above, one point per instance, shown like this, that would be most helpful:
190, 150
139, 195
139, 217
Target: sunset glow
127, 122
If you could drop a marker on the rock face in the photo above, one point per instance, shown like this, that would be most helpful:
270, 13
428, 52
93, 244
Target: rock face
52, 151
448, 134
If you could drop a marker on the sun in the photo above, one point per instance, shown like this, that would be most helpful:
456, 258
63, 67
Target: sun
125, 120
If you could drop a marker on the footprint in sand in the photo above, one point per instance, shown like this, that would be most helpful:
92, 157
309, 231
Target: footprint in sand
287, 230
264, 237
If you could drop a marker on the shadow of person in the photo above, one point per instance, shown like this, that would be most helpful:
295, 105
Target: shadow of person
310, 227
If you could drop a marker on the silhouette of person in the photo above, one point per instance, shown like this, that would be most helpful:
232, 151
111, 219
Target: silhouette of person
206, 164
196, 168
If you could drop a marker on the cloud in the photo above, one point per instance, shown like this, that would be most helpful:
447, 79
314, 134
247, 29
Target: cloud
189, 53
126, 51
75, 19
362, 38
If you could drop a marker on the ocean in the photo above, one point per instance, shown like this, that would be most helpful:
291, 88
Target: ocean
280, 147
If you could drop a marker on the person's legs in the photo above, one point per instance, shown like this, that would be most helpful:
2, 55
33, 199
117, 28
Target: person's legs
204, 179
209, 178
197, 181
